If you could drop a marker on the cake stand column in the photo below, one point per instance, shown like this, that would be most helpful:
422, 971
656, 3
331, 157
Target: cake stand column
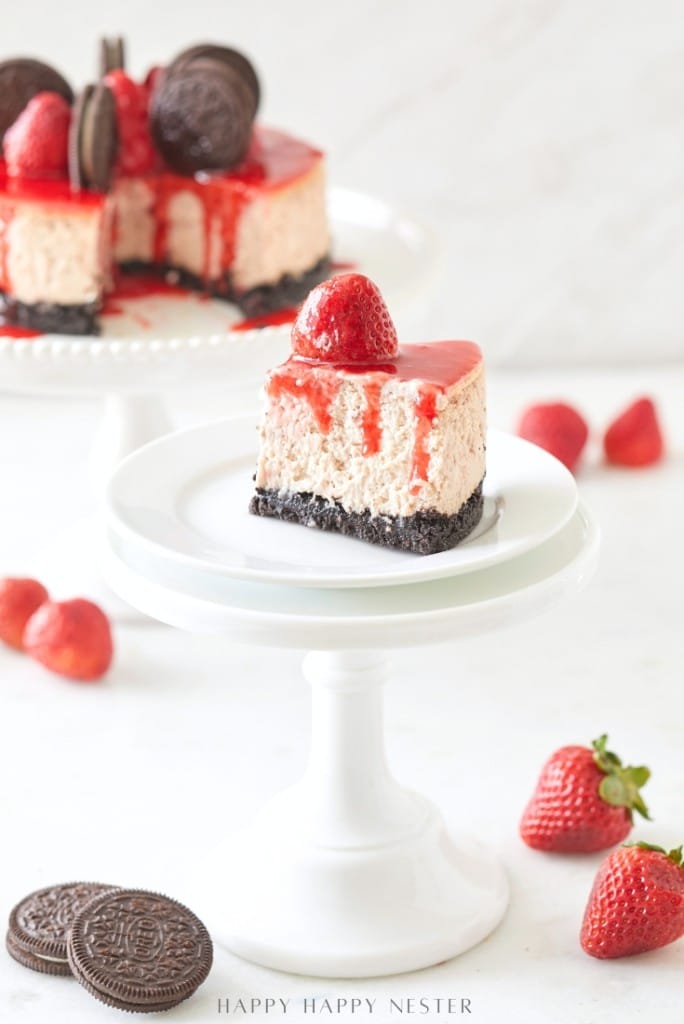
347, 873
69, 566
348, 797
127, 423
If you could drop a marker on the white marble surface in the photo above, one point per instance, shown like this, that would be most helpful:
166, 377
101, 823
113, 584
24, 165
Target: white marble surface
215, 729
542, 138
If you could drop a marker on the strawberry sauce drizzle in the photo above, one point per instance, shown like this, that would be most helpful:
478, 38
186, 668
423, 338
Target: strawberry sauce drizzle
14, 331
272, 161
436, 367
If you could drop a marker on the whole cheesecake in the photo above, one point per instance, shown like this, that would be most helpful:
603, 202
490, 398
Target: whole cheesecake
170, 176
361, 436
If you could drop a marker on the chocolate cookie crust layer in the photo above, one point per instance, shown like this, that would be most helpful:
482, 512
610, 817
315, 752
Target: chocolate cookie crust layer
424, 533
288, 291
48, 317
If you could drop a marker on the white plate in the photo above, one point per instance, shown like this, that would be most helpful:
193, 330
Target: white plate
161, 342
185, 498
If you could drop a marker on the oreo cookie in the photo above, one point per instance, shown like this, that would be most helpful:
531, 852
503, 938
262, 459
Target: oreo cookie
112, 55
138, 951
201, 116
20, 80
39, 925
93, 139
233, 58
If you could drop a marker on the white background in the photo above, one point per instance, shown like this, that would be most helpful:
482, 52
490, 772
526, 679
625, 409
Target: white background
542, 140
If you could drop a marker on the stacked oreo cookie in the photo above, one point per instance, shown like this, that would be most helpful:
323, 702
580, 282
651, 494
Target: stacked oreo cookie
204, 108
131, 949
201, 116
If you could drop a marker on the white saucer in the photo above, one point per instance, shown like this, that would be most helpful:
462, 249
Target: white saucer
185, 497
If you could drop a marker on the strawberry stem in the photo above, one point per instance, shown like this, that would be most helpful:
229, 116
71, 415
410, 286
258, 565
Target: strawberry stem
621, 785
676, 856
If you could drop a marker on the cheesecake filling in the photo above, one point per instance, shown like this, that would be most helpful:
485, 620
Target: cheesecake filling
400, 440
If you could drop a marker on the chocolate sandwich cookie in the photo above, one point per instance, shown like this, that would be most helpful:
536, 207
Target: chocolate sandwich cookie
20, 80
39, 924
201, 116
233, 58
112, 55
93, 139
139, 951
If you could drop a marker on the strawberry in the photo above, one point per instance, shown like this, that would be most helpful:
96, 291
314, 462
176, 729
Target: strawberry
634, 439
136, 154
36, 144
345, 320
583, 801
19, 599
636, 903
557, 428
72, 638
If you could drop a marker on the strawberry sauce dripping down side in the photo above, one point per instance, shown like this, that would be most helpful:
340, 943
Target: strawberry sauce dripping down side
436, 367
272, 161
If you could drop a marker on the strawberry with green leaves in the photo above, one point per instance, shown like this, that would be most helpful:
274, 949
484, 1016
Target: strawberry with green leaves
584, 801
636, 903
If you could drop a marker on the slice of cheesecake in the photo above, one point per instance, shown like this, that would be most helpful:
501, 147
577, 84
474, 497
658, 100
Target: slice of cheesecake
54, 254
362, 437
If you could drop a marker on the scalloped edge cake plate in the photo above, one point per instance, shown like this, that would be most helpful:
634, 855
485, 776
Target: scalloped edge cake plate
160, 342
184, 500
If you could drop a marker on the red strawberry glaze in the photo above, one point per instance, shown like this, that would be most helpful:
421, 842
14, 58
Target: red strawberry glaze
437, 367
57, 194
13, 331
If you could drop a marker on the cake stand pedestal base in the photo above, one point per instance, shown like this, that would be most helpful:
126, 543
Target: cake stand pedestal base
348, 874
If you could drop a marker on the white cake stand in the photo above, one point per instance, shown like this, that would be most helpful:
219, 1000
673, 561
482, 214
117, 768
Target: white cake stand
347, 874
162, 346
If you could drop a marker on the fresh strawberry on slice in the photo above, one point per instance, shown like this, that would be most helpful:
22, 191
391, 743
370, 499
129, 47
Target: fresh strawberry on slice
72, 638
583, 801
557, 428
636, 903
136, 154
634, 439
345, 320
19, 599
36, 145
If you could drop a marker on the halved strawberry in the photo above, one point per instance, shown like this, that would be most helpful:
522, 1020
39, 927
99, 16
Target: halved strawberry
36, 145
634, 439
136, 154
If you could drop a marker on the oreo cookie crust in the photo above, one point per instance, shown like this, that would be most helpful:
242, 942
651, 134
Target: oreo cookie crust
40, 923
255, 302
138, 950
424, 533
49, 317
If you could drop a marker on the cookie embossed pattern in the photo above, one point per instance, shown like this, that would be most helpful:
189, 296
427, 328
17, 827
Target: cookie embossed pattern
136, 950
40, 923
